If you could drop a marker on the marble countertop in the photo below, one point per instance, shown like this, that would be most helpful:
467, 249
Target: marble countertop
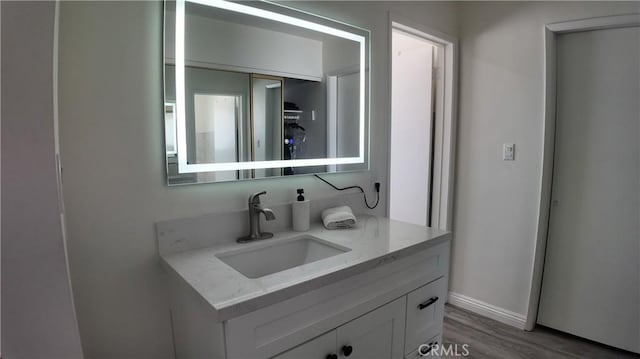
374, 241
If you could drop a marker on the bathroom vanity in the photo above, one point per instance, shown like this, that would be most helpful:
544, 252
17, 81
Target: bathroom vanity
374, 291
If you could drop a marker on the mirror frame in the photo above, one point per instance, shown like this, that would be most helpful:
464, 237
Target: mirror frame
183, 166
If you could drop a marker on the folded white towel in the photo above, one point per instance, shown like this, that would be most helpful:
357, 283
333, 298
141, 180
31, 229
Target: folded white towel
338, 217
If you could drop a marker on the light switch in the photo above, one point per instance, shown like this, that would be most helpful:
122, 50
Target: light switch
508, 151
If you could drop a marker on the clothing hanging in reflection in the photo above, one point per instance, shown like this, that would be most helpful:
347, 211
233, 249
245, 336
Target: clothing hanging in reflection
295, 139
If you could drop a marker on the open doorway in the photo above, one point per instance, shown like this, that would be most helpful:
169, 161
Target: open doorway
418, 105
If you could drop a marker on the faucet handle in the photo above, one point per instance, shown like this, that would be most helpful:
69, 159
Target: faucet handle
255, 198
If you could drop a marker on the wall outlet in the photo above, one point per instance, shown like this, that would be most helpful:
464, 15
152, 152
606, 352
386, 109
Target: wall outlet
508, 151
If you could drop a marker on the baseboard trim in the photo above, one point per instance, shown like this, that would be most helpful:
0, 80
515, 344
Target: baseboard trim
488, 310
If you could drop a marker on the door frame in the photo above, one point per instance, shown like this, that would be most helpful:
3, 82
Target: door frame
551, 31
445, 126
252, 78
331, 80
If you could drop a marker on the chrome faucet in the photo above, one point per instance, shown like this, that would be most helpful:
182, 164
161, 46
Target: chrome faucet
255, 208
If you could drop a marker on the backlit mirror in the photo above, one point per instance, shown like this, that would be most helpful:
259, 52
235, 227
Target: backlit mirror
256, 90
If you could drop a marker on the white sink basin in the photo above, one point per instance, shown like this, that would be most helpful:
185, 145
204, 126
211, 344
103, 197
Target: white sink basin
271, 257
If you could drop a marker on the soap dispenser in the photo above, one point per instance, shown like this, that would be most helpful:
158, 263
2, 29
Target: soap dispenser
300, 209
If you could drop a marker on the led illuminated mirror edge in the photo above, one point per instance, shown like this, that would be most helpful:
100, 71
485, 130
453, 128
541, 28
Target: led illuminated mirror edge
183, 166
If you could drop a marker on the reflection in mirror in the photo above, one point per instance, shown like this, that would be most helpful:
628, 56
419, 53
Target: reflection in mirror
216, 116
266, 99
255, 90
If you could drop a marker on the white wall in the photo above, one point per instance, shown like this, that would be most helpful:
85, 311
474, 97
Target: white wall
339, 54
214, 43
111, 91
501, 100
37, 309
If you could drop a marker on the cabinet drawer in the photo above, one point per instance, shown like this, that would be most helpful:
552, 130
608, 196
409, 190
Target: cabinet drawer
426, 350
425, 310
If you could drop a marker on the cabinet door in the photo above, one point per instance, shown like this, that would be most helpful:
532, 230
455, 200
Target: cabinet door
376, 335
321, 347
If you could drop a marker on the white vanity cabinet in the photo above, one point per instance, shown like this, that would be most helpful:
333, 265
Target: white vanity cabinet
380, 333
391, 309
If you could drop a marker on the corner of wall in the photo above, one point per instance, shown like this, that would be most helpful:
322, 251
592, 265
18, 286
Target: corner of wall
487, 310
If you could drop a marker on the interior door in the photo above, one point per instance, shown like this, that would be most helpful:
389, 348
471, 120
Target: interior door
592, 265
411, 128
